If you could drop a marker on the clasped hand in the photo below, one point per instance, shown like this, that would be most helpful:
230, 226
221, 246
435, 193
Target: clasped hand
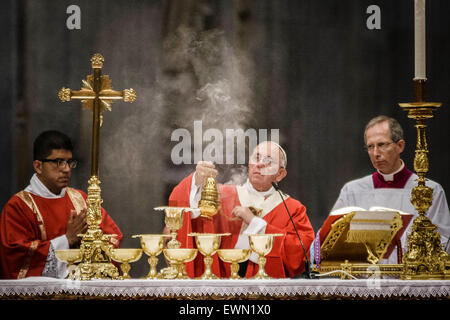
77, 224
243, 213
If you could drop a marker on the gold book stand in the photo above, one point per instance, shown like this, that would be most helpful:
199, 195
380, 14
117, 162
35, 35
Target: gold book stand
357, 241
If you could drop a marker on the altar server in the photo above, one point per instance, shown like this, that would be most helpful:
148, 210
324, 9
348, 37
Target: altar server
267, 164
391, 184
47, 215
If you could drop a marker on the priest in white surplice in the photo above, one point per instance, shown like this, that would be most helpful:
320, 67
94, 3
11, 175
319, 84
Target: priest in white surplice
391, 184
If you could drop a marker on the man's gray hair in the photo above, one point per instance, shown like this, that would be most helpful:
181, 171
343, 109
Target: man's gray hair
394, 127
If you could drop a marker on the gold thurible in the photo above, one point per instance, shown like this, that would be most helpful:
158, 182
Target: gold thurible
209, 203
424, 258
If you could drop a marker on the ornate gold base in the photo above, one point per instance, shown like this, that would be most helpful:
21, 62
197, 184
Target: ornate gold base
99, 270
96, 261
425, 258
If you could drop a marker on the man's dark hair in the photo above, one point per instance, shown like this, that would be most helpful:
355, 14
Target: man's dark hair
48, 141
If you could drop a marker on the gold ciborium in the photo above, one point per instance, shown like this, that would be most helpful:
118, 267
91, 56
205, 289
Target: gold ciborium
234, 256
178, 257
207, 244
71, 256
209, 203
125, 256
152, 244
174, 221
262, 244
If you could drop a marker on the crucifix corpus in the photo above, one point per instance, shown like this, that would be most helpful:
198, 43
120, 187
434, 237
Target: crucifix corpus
97, 95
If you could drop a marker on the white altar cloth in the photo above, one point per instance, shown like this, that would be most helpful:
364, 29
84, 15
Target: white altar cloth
372, 288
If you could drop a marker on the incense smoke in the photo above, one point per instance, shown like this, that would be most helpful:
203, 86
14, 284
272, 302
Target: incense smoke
206, 79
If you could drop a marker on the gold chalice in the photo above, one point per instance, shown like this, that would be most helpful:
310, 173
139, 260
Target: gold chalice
207, 244
234, 256
125, 256
152, 244
262, 244
71, 256
174, 221
178, 257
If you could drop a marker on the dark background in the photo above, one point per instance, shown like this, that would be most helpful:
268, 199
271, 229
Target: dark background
309, 68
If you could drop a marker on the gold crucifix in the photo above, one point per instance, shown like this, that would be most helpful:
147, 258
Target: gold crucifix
97, 95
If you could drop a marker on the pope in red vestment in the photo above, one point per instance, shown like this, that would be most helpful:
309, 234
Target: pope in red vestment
286, 259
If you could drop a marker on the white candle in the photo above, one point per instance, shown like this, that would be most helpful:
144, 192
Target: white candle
419, 39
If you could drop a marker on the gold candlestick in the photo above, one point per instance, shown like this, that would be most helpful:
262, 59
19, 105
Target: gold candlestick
424, 258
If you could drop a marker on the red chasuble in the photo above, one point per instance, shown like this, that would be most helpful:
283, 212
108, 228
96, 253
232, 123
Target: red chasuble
286, 258
28, 223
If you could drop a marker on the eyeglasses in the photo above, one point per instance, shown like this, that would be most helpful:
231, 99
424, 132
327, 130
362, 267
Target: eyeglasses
266, 161
382, 146
61, 163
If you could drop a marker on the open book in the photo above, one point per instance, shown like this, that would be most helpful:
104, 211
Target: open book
365, 220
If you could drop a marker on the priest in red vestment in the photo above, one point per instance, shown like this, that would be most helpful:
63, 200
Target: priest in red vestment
47, 215
267, 164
